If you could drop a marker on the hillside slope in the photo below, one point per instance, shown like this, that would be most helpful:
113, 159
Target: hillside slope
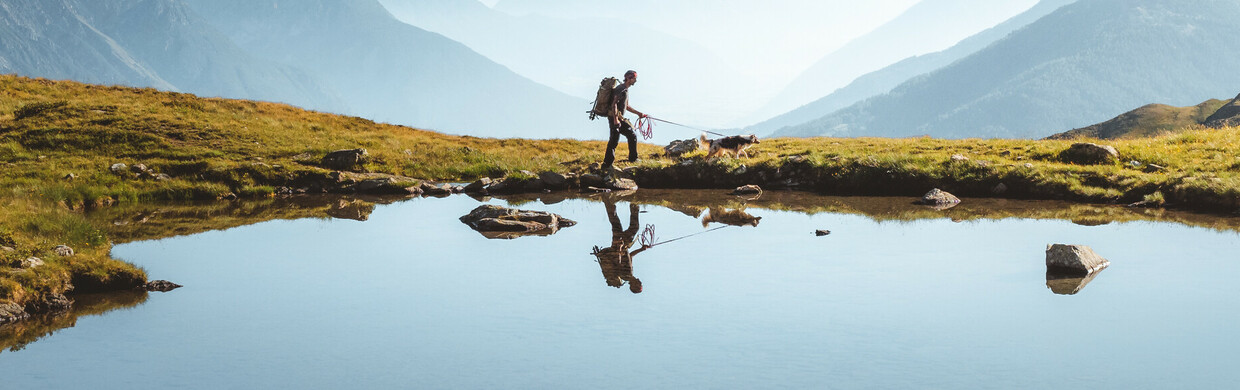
1077, 66
1147, 121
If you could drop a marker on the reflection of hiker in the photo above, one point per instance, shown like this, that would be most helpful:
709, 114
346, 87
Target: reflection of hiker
616, 261
618, 123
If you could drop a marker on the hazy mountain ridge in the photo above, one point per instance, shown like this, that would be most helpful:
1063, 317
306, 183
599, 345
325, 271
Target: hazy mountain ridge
928, 26
391, 71
884, 80
1078, 65
111, 43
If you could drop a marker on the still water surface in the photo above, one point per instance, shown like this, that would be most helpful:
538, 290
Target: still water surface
412, 298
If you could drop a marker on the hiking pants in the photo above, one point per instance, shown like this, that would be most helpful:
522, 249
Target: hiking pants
625, 128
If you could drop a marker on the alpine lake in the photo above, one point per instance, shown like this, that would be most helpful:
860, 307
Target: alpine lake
650, 289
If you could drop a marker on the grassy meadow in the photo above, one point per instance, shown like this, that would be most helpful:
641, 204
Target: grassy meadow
59, 140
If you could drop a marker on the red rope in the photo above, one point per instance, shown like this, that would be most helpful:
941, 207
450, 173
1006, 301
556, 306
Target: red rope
645, 126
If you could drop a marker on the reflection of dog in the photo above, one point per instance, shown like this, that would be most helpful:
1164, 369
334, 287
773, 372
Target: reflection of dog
735, 144
735, 217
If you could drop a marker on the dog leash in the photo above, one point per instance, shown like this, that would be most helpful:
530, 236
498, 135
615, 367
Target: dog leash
684, 126
648, 235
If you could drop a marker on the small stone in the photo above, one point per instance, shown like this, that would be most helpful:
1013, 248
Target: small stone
959, 157
139, 168
937, 197
119, 167
162, 177
478, 185
553, 180
1028, 165
70, 176
6, 249
747, 190
31, 262
1154, 168
63, 250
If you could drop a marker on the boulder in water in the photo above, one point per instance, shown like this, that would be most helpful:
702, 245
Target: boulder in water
502, 222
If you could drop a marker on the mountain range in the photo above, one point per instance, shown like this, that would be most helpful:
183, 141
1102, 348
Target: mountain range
885, 79
928, 26
1081, 64
109, 42
343, 56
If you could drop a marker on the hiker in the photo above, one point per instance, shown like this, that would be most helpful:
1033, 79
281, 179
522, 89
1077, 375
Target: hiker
618, 123
616, 261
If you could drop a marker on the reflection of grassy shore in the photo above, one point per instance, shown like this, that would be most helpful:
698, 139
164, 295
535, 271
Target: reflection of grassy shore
59, 140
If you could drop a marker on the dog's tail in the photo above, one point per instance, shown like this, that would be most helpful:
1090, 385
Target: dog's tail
703, 142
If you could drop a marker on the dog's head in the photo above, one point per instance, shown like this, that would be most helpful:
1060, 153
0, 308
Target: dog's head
753, 139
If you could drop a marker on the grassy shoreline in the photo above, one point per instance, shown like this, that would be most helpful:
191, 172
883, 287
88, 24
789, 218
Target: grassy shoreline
59, 142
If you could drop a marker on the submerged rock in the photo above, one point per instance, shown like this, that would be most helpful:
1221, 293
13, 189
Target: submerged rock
501, 222
1078, 259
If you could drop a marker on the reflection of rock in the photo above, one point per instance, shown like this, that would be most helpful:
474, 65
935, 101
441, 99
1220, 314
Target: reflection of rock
500, 222
1091, 221
160, 285
1073, 258
939, 199
747, 190
355, 209
692, 211
1068, 282
737, 217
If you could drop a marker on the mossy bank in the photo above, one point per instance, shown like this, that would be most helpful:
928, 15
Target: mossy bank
62, 143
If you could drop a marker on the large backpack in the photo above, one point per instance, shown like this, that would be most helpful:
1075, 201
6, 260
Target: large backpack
602, 102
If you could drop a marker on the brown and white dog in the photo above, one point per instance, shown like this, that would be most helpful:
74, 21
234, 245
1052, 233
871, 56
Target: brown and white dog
735, 144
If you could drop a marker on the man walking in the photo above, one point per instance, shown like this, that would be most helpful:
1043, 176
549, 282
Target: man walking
618, 123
